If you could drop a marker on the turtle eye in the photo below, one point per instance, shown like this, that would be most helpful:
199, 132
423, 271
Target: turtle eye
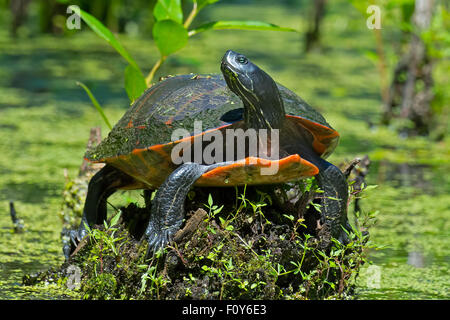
241, 59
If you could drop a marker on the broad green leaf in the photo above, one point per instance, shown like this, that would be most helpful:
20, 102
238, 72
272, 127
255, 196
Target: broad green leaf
203, 3
242, 25
107, 35
95, 103
134, 82
168, 9
169, 36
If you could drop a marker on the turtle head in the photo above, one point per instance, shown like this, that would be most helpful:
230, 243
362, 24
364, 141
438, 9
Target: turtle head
263, 106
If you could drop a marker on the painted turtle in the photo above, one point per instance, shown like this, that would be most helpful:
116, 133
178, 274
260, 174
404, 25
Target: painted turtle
139, 150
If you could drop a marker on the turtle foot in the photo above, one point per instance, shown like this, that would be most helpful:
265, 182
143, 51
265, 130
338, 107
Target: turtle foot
157, 239
74, 238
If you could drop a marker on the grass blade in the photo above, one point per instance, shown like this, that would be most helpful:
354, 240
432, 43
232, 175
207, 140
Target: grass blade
95, 103
107, 35
241, 25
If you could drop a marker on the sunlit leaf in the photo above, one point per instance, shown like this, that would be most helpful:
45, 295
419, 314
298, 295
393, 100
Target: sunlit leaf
168, 9
241, 25
134, 82
203, 3
115, 219
210, 200
169, 36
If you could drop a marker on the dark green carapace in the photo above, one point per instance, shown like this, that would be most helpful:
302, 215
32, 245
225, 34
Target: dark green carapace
179, 101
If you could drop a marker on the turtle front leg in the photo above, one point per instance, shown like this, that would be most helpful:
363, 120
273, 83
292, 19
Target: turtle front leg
334, 202
167, 211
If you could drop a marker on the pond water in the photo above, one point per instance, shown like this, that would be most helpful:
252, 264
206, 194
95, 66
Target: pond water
414, 265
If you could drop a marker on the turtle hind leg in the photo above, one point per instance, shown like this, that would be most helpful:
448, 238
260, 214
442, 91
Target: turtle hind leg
334, 201
167, 210
104, 183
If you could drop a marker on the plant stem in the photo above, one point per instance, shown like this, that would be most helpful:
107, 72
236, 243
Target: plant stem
148, 80
157, 65
191, 16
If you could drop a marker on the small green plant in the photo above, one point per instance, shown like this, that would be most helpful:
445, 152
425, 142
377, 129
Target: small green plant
171, 33
106, 242
151, 280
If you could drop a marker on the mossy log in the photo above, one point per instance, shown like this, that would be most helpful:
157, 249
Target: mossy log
236, 243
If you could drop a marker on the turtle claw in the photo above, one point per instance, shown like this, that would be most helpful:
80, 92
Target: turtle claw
156, 240
74, 238
70, 242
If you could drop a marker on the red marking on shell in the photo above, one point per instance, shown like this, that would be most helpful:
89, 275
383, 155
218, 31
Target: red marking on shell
193, 98
319, 137
246, 171
144, 99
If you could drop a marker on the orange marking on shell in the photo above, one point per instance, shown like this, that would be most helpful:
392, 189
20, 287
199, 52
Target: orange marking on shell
246, 171
309, 125
140, 156
159, 148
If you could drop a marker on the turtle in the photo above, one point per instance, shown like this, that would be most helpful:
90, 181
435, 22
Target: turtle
163, 122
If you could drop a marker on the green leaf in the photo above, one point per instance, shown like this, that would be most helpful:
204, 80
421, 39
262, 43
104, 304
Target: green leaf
134, 82
115, 219
210, 200
218, 209
290, 217
241, 25
205, 268
168, 9
169, 36
370, 187
107, 35
229, 228
95, 103
203, 3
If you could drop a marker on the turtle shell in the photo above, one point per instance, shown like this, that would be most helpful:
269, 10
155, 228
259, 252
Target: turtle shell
140, 143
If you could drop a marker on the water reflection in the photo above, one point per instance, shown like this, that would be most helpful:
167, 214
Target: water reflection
416, 259
404, 175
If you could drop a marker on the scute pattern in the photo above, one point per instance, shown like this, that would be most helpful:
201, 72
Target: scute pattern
177, 102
